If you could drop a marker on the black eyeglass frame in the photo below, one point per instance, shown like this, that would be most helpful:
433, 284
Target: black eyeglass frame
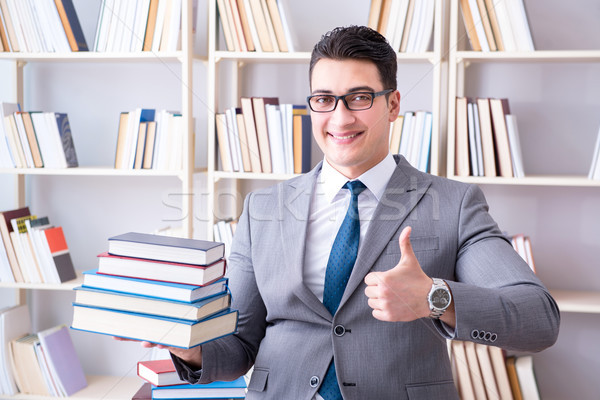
343, 98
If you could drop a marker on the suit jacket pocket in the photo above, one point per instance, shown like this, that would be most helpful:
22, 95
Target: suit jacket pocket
419, 243
432, 390
258, 382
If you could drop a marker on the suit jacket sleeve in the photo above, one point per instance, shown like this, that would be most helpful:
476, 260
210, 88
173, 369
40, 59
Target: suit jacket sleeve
497, 297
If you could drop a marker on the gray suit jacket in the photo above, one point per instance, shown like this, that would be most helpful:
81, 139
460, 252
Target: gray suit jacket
290, 337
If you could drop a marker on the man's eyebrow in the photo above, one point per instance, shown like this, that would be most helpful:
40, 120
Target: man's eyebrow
351, 90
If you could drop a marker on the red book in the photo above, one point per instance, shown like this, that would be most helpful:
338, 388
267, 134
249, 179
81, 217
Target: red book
143, 268
159, 372
60, 253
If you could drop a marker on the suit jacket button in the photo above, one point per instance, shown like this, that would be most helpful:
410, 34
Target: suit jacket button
339, 330
475, 334
314, 381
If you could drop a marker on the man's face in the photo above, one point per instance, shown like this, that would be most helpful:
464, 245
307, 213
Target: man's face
352, 141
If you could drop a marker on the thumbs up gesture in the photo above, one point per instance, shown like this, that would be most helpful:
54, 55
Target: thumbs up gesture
400, 294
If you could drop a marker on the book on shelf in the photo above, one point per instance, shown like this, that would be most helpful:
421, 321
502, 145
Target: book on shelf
167, 331
70, 21
396, 134
594, 172
15, 122
475, 370
134, 267
487, 137
159, 372
63, 363
165, 248
66, 139
24, 251
235, 389
32, 141
5, 231
487, 371
461, 167
15, 322
522, 245
461, 368
146, 287
233, 137
26, 366
251, 134
226, 25
130, 302
223, 231
6, 274
498, 360
407, 24
56, 242
302, 146
478, 25
499, 109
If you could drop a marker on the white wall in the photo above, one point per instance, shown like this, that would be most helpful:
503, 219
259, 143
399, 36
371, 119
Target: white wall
558, 111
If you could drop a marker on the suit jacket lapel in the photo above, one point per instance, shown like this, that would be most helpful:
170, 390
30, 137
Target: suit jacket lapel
294, 211
402, 194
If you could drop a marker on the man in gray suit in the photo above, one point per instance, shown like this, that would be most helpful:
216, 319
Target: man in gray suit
431, 263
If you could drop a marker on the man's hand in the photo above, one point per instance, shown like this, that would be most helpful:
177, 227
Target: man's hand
192, 357
400, 294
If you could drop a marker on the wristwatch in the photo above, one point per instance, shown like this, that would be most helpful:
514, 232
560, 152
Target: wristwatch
439, 298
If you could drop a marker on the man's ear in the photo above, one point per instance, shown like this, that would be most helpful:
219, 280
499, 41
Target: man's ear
394, 105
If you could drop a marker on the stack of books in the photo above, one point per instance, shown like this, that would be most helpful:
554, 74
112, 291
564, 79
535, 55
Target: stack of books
407, 24
149, 139
40, 26
522, 245
32, 250
497, 25
159, 289
265, 136
487, 139
162, 382
35, 139
410, 135
256, 25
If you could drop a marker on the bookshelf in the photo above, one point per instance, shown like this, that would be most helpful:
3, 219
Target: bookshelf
240, 67
558, 125
32, 81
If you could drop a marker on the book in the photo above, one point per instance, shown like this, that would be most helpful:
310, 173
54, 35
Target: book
159, 372
487, 137
235, 389
245, 21
167, 331
470, 25
62, 360
150, 144
28, 372
32, 140
251, 137
491, 11
70, 22
165, 248
499, 365
499, 109
475, 370
156, 289
513, 378
5, 230
66, 138
196, 310
262, 130
143, 393
15, 322
302, 143
461, 365
260, 22
55, 239
487, 371
132, 267
462, 138
527, 380
275, 15
514, 142
487, 25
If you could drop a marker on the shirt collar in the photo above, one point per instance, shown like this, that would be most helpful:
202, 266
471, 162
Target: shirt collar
375, 179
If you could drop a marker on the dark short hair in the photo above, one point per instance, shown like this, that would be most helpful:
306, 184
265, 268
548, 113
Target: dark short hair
358, 43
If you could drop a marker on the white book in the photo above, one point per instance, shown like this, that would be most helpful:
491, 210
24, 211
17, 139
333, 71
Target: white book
139, 25
18, 25
415, 138
400, 19
506, 30
418, 12
29, 32
45, 141
392, 25
275, 130
6, 158
426, 143
527, 380
14, 323
288, 31
287, 123
520, 25
270, 26
41, 25
234, 140
174, 22
252, 25
406, 133
478, 144
55, 135
594, 166
479, 30
426, 30
514, 143
6, 274
176, 143
127, 24
104, 25
23, 138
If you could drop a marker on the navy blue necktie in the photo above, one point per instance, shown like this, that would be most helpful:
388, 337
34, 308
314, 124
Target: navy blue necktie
340, 264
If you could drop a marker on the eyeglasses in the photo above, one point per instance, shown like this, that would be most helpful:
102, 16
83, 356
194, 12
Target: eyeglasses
355, 101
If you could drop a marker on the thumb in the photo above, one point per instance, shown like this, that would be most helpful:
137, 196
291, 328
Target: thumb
406, 249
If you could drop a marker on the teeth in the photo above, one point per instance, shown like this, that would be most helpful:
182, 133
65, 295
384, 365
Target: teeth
344, 137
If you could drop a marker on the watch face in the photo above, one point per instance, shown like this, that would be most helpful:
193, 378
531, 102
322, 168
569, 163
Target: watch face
440, 298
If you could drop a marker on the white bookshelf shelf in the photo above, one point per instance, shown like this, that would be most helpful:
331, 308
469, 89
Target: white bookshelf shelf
534, 180
99, 388
252, 175
91, 56
45, 286
530, 56
302, 56
577, 301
